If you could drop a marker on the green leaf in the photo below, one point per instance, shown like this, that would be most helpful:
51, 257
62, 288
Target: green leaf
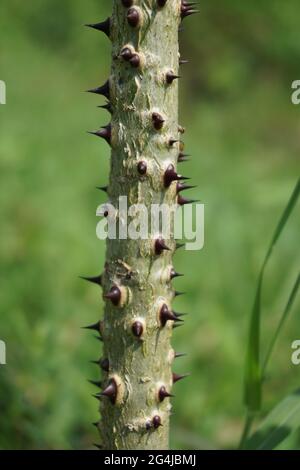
282, 421
253, 372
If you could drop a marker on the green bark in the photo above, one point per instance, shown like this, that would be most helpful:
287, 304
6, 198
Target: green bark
140, 366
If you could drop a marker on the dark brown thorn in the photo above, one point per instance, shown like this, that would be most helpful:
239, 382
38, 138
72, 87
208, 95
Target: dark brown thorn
171, 175
174, 274
127, 3
177, 325
187, 11
178, 377
102, 188
178, 354
142, 168
165, 314
126, 53
137, 329
179, 245
161, 3
182, 187
111, 391
101, 90
98, 338
178, 293
170, 77
95, 327
135, 61
133, 17
160, 246
173, 142
163, 393
114, 295
158, 121
104, 364
104, 26
96, 383
182, 157
183, 201
156, 422
107, 106
104, 133
93, 280
98, 446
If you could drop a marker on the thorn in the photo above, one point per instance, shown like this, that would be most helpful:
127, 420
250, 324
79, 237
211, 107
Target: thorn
161, 3
114, 295
104, 364
160, 246
170, 77
163, 393
172, 142
98, 446
177, 325
181, 129
97, 383
171, 175
183, 201
95, 327
104, 132
93, 280
179, 245
182, 157
158, 121
107, 107
177, 377
127, 3
178, 293
126, 54
177, 355
187, 9
135, 61
165, 314
98, 338
182, 187
156, 422
104, 26
174, 274
103, 188
101, 90
111, 391
137, 329
133, 17
142, 168
183, 61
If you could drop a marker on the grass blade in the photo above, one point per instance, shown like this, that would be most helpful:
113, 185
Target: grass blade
253, 372
281, 323
282, 421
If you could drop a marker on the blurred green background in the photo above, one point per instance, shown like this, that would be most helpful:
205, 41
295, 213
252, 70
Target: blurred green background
243, 133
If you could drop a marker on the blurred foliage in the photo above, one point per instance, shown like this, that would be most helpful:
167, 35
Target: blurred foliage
243, 133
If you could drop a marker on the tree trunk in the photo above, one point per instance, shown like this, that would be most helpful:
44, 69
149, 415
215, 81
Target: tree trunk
144, 136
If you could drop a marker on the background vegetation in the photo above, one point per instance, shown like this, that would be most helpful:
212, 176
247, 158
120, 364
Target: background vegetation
243, 134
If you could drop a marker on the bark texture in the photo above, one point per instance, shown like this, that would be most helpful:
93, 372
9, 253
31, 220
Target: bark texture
137, 352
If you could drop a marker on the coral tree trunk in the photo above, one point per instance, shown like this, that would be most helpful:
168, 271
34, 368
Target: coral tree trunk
144, 137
